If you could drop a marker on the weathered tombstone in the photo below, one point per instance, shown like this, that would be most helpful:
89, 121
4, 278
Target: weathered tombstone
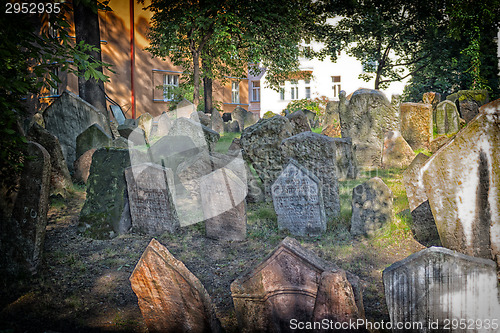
202, 136
118, 114
261, 147
67, 117
231, 126
127, 128
104, 213
446, 118
433, 99
172, 150
82, 166
423, 225
311, 117
469, 102
202, 118
365, 118
298, 201
22, 240
416, 124
371, 207
331, 116
170, 297
145, 122
150, 198
184, 109
462, 181
318, 154
438, 142
224, 207
164, 124
120, 142
226, 116
290, 284
437, 290
269, 114
216, 121
235, 146
93, 137
397, 152
299, 121
60, 179
347, 166
243, 117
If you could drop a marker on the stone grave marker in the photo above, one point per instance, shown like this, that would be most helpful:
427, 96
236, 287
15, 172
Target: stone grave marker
118, 114
446, 117
201, 135
298, 201
152, 206
184, 109
416, 124
423, 225
462, 182
293, 283
243, 117
347, 166
224, 207
371, 207
299, 121
202, 118
82, 166
231, 126
170, 297
469, 102
436, 286
318, 154
163, 125
145, 122
217, 123
397, 152
92, 137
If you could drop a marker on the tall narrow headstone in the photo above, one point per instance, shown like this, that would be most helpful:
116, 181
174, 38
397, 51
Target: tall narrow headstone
145, 122
442, 291
447, 120
216, 121
416, 124
298, 201
118, 114
170, 297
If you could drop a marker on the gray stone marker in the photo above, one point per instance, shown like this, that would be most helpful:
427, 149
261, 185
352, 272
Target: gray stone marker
104, 214
172, 150
67, 117
298, 201
224, 207
243, 117
93, 137
82, 166
216, 121
347, 165
299, 121
118, 114
164, 123
201, 135
145, 122
416, 124
469, 102
318, 154
293, 283
436, 286
371, 207
170, 297
446, 117
462, 182
150, 198
397, 152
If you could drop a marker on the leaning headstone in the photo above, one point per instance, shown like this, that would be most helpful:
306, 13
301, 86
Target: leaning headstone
92, 137
201, 135
442, 290
397, 152
172, 150
371, 207
416, 124
365, 118
150, 198
60, 179
104, 213
298, 201
67, 117
423, 225
446, 118
82, 166
120, 142
224, 207
311, 117
216, 121
331, 114
469, 102
170, 297
462, 183
299, 121
261, 147
145, 122
118, 114
438, 142
292, 283
318, 154
244, 117
23, 238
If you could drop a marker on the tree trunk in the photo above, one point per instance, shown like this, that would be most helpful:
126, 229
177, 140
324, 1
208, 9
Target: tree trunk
207, 90
196, 79
87, 30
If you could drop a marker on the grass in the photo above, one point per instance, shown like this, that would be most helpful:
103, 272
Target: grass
225, 141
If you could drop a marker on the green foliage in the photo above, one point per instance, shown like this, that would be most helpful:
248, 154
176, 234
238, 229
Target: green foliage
316, 105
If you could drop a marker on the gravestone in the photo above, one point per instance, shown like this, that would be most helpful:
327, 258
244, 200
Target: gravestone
433, 99
269, 114
150, 198
224, 207
216, 121
118, 114
92, 137
331, 116
24, 236
299, 121
82, 166
172, 150
298, 201
397, 152
104, 214
416, 124
202, 136
201, 117
437, 287
438, 142
462, 183
67, 117
231, 126
120, 142
126, 129
170, 297
469, 102
60, 179
365, 118
184, 109
145, 122
261, 147
371, 207
347, 166
163, 125
423, 225
311, 117
243, 117
446, 118
318, 154
293, 283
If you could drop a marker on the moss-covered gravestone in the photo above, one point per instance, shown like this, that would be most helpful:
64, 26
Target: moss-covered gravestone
93, 137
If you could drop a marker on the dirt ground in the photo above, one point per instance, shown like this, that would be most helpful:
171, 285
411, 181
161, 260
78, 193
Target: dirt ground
83, 283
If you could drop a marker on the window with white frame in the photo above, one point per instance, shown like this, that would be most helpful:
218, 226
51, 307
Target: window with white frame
282, 91
255, 91
336, 87
235, 92
307, 83
170, 82
294, 90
